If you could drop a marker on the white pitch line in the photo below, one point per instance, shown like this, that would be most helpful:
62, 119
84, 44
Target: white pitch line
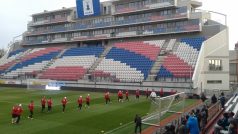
109, 132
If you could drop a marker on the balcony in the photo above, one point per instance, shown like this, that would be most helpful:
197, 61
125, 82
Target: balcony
192, 27
51, 21
77, 27
150, 6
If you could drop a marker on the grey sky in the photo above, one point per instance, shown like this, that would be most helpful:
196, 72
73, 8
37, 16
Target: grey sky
16, 13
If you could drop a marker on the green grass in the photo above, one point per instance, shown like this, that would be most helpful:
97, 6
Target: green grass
88, 121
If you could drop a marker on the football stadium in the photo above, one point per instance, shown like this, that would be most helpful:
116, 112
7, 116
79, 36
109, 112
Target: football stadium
118, 66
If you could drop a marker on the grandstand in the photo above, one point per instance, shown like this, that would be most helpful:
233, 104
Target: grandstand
124, 44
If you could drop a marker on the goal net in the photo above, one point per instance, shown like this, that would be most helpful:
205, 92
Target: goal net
36, 84
162, 107
44, 84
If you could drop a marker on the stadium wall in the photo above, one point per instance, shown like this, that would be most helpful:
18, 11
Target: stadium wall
214, 48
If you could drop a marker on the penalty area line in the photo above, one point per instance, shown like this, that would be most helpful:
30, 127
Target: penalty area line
109, 132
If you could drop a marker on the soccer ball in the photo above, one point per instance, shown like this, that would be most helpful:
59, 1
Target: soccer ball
102, 131
120, 123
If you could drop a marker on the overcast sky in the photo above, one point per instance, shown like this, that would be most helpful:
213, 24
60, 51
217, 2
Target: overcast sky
15, 14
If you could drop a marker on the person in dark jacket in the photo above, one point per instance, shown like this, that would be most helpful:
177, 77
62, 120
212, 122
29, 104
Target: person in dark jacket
169, 129
203, 97
222, 124
233, 127
214, 99
182, 128
203, 119
138, 123
222, 100
198, 115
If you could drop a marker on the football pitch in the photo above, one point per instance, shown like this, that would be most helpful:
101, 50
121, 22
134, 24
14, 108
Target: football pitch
115, 118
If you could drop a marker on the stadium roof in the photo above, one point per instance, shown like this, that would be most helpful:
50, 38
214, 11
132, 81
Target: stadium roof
53, 11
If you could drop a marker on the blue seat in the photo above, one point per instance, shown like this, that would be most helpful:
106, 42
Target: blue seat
140, 62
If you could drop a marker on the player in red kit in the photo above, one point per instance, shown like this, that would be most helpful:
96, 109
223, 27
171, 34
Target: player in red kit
64, 102
137, 94
31, 109
127, 95
43, 102
14, 114
107, 97
49, 103
80, 102
120, 96
19, 113
88, 100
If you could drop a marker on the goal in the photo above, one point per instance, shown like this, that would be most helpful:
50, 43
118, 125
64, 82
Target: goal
44, 84
162, 107
36, 84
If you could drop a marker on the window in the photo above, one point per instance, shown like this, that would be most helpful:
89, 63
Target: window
215, 65
105, 10
214, 81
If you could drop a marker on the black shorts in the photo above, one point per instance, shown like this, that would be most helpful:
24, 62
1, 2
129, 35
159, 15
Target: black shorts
80, 105
120, 97
14, 115
43, 106
88, 103
137, 96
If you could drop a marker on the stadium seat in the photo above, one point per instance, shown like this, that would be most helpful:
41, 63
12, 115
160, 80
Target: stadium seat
73, 64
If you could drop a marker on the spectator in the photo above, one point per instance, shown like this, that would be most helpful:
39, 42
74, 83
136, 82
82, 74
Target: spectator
138, 123
231, 116
203, 97
222, 100
169, 129
203, 118
192, 124
232, 127
222, 124
182, 128
198, 115
206, 110
214, 99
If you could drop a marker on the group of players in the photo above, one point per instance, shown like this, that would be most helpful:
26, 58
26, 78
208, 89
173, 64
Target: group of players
17, 110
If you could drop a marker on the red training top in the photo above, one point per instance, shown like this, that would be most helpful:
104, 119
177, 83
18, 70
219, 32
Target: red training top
80, 100
49, 102
19, 110
64, 101
106, 96
31, 106
127, 93
43, 101
137, 93
14, 110
87, 99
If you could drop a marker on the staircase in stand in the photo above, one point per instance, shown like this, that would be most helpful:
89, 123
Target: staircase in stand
100, 58
51, 62
154, 70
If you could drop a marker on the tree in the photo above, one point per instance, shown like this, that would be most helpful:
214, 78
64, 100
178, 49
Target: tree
2, 52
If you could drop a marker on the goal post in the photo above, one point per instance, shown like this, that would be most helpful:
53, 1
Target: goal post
162, 107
